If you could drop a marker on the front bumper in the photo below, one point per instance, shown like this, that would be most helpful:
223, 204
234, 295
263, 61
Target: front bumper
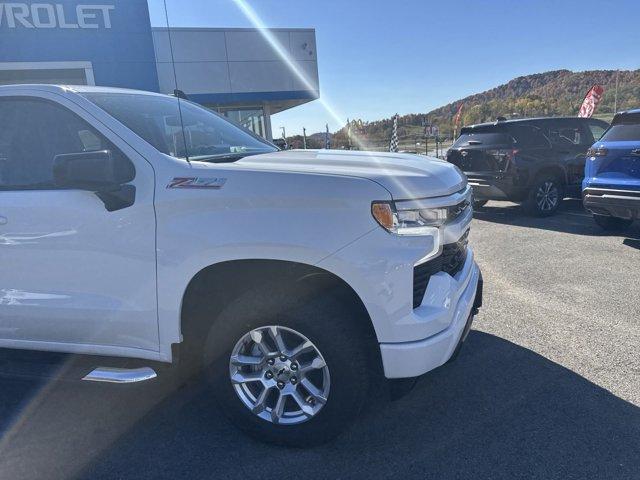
412, 359
381, 269
612, 202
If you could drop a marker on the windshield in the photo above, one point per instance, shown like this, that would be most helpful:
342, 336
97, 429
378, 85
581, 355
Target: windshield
156, 119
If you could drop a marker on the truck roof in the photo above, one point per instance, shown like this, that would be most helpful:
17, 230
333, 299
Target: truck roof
519, 120
44, 87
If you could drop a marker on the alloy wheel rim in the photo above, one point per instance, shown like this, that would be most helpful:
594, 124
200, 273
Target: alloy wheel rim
547, 196
279, 375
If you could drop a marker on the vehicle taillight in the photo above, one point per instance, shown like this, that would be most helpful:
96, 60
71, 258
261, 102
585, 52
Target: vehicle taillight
503, 157
597, 152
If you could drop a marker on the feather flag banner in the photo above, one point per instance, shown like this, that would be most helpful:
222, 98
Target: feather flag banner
393, 144
591, 101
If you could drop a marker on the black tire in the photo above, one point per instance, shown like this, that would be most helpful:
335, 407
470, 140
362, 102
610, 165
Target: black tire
477, 204
545, 196
612, 223
343, 340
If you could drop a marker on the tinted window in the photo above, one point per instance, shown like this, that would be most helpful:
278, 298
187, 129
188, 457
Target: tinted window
596, 130
622, 133
625, 128
483, 138
528, 136
157, 119
565, 133
33, 132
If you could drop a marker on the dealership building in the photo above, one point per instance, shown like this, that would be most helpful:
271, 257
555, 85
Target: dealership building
234, 71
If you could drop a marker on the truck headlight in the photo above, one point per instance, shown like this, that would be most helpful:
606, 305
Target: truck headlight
415, 222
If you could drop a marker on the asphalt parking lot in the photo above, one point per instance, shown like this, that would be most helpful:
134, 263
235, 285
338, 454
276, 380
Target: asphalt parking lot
548, 386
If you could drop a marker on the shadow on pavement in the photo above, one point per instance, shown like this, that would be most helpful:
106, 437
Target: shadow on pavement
630, 242
571, 218
500, 411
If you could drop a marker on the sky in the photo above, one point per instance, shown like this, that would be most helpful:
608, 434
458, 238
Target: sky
381, 57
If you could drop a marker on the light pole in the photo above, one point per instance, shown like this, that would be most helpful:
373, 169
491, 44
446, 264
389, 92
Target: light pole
615, 98
304, 138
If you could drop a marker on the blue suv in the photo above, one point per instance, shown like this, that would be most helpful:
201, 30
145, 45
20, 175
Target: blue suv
611, 186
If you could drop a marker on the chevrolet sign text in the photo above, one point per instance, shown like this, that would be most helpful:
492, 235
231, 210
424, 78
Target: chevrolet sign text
54, 15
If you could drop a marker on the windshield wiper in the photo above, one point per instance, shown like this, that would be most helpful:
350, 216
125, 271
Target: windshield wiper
225, 157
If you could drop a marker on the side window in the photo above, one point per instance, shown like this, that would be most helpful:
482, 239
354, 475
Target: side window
528, 136
565, 134
33, 132
596, 130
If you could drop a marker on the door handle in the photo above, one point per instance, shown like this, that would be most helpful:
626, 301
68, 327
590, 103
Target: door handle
3, 220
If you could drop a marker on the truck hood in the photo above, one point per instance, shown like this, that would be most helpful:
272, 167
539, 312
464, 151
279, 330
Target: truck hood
405, 176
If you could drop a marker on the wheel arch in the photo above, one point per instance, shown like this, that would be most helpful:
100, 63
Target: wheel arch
217, 285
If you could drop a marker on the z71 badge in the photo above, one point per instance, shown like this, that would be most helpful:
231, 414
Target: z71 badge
197, 182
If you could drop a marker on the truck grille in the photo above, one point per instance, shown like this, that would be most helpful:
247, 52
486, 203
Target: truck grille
457, 210
451, 261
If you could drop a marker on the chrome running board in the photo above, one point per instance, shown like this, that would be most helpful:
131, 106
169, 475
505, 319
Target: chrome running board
120, 375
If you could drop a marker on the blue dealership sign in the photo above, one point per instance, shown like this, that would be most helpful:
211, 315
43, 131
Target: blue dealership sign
111, 39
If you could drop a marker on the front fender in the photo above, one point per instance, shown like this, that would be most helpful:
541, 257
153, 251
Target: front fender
257, 215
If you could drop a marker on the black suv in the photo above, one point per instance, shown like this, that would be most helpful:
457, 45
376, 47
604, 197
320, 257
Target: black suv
536, 161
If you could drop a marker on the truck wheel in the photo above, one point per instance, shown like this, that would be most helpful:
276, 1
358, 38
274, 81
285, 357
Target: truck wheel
290, 373
612, 223
544, 197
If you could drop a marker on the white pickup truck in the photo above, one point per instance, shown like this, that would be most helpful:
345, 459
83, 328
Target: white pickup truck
142, 226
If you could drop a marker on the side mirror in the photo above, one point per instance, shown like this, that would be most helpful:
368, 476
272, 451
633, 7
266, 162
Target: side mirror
93, 171
96, 172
